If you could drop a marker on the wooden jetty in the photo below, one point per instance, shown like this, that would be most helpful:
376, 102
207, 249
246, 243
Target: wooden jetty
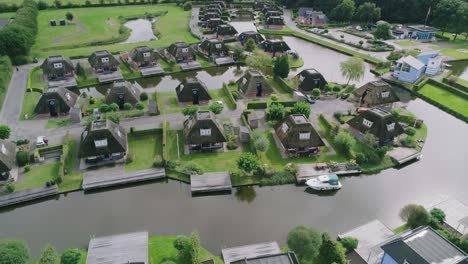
101, 180
27, 195
234, 254
402, 155
306, 172
119, 249
210, 182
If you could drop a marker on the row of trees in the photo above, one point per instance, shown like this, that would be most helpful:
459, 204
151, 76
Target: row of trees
17, 38
345, 11
17, 252
452, 15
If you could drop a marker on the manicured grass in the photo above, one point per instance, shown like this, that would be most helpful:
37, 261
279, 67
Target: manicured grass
129, 73
72, 180
29, 103
36, 79
400, 229
220, 95
383, 70
143, 149
8, 15
295, 63
72, 41
446, 98
161, 249
174, 138
38, 176
462, 82
216, 161
167, 102
405, 43
57, 122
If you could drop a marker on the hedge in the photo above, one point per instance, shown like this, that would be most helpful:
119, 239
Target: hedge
257, 105
444, 108
285, 103
244, 120
6, 70
164, 140
39, 151
448, 88
229, 95
284, 85
455, 85
325, 122
147, 132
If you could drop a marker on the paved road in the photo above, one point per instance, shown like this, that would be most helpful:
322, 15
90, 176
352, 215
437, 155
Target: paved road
292, 25
194, 23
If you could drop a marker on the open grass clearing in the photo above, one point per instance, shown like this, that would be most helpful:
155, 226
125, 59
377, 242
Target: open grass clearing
57, 122
36, 79
29, 103
220, 95
37, 176
143, 149
446, 98
405, 43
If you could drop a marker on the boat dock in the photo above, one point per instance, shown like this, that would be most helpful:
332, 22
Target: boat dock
306, 172
99, 179
402, 155
27, 195
234, 254
210, 182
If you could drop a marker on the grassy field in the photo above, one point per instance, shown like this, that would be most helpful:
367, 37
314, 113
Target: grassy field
72, 180
458, 51
36, 79
102, 24
29, 103
405, 43
216, 161
143, 149
446, 98
38, 176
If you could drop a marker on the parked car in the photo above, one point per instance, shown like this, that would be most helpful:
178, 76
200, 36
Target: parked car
344, 96
41, 141
309, 99
358, 28
97, 113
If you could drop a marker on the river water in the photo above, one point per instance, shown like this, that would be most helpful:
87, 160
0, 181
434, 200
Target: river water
142, 30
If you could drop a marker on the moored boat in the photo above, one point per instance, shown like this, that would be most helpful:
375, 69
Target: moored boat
324, 183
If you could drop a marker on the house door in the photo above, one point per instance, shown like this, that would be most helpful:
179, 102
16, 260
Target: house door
316, 83
52, 105
195, 99
259, 88
121, 100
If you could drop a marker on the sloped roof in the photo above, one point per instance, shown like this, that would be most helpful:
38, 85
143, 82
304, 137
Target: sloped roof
203, 120
213, 47
274, 13
7, 155
130, 92
96, 59
310, 79
137, 54
378, 122
185, 89
177, 49
64, 99
225, 29
214, 22
376, 93
289, 129
48, 64
274, 20
412, 61
248, 83
246, 35
424, 245
114, 136
275, 45
209, 15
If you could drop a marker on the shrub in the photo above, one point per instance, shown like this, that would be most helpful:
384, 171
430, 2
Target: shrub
305, 242
275, 112
410, 131
232, 142
216, 108
69, 16
259, 140
349, 243
114, 117
13, 252
274, 98
139, 106
190, 168
316, 92
337, 115
4, 132
27, 168
114, 107
301, 108
248, 162
104, 108
236, 95
189, 110
415, 215
143, 96
408, 142
70, 256
276, 178
92, 100
438, 214
9, 187
187, 6
22, 158
345, 141
158, 161
337, 88
127, 106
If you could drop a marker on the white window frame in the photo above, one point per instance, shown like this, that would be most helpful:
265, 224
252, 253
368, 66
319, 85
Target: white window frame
301, 78
367, 123
304, 135
218, 45
405, 68
284, 127
205, 132
58, 65
68, 96
4, 149
101, 143
385, 94
391, 127
185, 50
105, 60
146, 54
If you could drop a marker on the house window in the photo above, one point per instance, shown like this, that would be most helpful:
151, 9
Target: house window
58, 65
146, 54
385, 94
367, 123
284, 127
100, 143
68, 96
405, 67
104, 60
406, 262
304, 136
391, 127
185, 50
205, 132
218, 46
4, 150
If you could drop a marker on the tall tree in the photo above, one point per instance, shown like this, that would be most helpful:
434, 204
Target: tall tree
383, 31
259, 61
445, 14
344, 11
195, 252
281, 67
330, 252
4, 132
368, 12
353, 69
301, 108
305, 242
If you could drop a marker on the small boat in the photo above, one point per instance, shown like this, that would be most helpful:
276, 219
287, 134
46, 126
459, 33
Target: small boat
325, 183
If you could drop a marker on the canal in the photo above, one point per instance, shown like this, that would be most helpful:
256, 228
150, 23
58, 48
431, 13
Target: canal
252, 214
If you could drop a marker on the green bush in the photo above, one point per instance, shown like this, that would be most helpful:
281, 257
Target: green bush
104, 108
9, 187
438, 214
143, 96
410, 131
114, 117
70, 256
344, 141
27, 168
415, 215
190, 168
127, 106
408, 142
232, 142
349, 243
236, 95
4, 132
187, 6
158, 161
316, 92
139, 106
22, 158
279, 178
114, 107
256, 105
216, 108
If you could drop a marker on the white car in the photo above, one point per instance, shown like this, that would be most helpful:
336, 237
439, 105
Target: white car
41, 141
220, 103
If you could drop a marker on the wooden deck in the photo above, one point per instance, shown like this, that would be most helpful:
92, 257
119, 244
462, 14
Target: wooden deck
306, 172
110, 77
27, 195
119, 249
97, 179
402, 155
210, 182
250, 251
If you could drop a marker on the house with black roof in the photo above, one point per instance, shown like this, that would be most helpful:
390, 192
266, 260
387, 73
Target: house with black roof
274, 22
123, 92
7, 158
202, 132
213, 48
297, 136
58, 68
276, 47
212, 23
243, 15
254, 84
225, 32
180, 52
274, 13
103, 61
246, 35
376, 94
143, 56
420, 246
209, 15
310, 79
380, 123
192, 91
55, 102
103, 140
310, 16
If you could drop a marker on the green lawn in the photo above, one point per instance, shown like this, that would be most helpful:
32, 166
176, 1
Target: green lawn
161, 249
400, 229
143, 149
216, 161
72, 180
446, 98
167, 102
29, 103
57, 122
38, 176
459, 50
462, 82
405, 43
7, 15
174, 137
221, 95
36, 79
73, 40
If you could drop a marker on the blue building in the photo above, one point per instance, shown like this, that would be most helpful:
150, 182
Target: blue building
421, 32
432, 61
409, 69
421, 246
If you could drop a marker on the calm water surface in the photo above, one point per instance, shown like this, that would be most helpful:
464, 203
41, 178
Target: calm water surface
142, 30
460, 69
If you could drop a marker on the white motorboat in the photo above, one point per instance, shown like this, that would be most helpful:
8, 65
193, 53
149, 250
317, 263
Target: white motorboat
324, 183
